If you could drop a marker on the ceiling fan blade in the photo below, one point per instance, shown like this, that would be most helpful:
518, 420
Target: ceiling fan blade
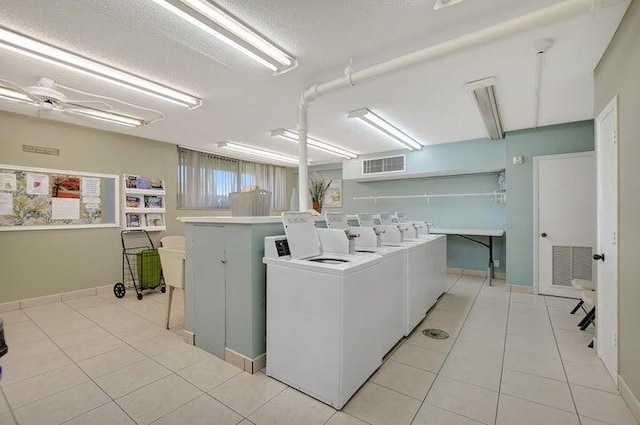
12, 91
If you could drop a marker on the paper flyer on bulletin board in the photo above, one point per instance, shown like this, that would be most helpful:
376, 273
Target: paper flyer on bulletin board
8, 182
37, 184
6, 203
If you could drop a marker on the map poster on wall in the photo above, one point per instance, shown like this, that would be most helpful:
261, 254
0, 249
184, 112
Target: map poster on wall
90, 187
65, 209
8, 182
65, 187
37, 184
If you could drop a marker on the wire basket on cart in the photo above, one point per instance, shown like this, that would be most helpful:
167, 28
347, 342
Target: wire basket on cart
141, 268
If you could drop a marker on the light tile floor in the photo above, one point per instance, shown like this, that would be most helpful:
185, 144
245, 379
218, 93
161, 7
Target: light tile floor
511, 359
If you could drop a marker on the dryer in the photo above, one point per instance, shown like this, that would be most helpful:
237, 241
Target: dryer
321, 338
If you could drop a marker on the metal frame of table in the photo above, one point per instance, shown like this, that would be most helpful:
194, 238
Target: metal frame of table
467, 233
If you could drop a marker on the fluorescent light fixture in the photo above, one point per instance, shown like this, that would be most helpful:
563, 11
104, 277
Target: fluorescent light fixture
483, 93
6, 93
111, 117
439, 4
218, 23
385, 128
27, 46
258, 152
292, 136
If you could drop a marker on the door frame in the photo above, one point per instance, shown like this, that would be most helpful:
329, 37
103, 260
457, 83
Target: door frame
611, 108
536, 215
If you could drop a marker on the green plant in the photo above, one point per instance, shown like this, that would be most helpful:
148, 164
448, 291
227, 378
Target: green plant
318, 187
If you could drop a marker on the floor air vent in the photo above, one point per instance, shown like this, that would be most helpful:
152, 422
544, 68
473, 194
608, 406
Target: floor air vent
389, 164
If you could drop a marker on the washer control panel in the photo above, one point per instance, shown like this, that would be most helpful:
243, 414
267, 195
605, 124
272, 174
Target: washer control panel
276, 247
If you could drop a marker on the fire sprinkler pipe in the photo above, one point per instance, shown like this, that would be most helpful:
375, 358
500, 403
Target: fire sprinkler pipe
486, 35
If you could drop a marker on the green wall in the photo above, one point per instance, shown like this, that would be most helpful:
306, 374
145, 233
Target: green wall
556, 139
618, 74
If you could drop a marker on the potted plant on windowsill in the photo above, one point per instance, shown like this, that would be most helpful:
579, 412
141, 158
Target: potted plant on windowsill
318, 187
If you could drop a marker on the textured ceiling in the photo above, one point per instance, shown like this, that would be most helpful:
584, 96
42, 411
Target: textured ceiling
242, 101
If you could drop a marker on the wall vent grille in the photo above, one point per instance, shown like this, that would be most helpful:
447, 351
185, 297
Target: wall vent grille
389, 164
571, 262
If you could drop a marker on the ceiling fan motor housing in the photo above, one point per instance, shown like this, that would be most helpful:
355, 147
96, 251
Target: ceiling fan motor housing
46, 91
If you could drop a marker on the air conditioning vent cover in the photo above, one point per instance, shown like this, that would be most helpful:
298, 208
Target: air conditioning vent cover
388, 164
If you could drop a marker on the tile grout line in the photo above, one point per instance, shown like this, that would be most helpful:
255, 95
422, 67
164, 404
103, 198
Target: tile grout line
452, 345
504, 353
85, 373
573, 400
47, 336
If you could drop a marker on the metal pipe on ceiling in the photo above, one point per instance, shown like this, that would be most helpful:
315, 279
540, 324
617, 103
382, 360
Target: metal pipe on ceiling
486, 35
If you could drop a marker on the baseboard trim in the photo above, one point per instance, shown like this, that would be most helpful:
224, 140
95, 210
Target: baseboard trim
53, 298
521, 289
629, 398
476, 273
245, 363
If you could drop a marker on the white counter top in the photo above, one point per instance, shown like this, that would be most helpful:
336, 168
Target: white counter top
467, 232
232, 220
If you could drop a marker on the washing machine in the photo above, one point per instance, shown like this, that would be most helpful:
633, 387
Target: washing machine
389, 320
321, 338
417, 298
437, 255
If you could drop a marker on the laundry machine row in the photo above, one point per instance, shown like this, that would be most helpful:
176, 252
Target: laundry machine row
331, 316
338, 300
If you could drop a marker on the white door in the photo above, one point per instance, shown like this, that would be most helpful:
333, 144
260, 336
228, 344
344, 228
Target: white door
565, 201
607, 266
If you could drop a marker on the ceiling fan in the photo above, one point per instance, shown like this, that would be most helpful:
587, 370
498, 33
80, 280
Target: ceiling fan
47, 96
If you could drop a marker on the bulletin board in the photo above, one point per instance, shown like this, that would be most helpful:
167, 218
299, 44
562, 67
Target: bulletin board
47, 199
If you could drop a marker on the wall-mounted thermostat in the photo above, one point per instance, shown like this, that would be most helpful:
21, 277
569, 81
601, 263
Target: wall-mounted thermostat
517, 160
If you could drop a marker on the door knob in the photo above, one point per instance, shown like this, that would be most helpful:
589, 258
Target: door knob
598, 257
223, 261
544, 235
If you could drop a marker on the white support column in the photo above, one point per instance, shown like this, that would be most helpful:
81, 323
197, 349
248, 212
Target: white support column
303, 168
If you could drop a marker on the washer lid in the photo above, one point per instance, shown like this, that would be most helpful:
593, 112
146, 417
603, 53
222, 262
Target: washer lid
385, 218
366, 220
300, 228
336, 220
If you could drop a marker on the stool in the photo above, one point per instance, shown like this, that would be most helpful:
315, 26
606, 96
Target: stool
172, 262
588, 298
582, 285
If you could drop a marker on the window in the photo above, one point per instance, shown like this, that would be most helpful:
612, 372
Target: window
206, 180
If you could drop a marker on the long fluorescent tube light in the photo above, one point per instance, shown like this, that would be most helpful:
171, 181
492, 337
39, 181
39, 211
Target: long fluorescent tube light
483, 94
292, 136
6, 93
111, 117
385, 128
259, 152
27, 46
218, 23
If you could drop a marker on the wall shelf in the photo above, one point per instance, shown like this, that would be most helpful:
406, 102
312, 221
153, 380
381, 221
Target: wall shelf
144, 208
447, 173
498, 197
